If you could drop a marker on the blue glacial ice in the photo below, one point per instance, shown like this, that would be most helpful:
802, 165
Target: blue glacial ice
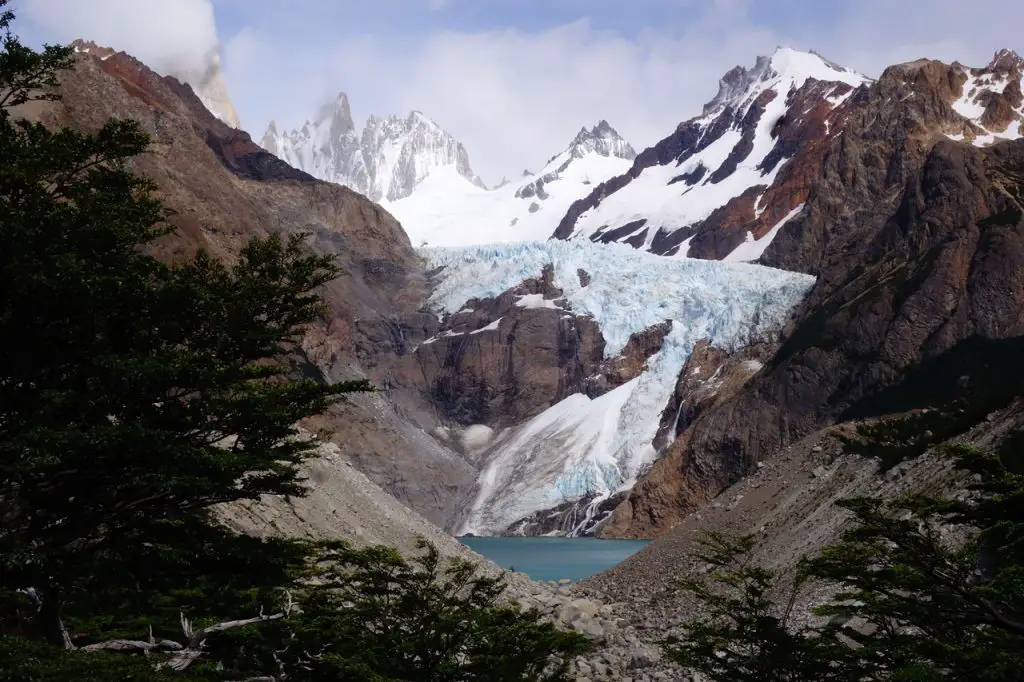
599, 446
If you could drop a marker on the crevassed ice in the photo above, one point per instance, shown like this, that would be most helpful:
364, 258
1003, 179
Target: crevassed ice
579, 445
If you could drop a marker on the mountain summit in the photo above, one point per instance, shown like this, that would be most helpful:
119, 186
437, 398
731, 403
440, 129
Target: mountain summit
386, 161
708, 190
740, 84
602, 140
206, 79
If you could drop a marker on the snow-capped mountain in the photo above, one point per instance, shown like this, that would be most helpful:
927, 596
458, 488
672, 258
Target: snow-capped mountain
446, 210
714, 185
584, 448
387, 160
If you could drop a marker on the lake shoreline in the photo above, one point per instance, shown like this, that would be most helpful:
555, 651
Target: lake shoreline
552, 558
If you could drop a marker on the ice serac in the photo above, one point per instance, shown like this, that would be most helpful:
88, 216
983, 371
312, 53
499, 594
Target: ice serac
733, 174
387, 160
445, 210
914, 228
593, 446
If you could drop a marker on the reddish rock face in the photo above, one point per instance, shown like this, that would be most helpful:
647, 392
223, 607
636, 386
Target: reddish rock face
918, 245
220, 189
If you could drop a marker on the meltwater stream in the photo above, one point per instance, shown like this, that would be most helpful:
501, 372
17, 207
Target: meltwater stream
546, 558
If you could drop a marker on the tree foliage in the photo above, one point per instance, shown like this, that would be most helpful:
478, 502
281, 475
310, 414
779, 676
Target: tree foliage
747, 635
925, 588
372, 615
135, 395
939, 581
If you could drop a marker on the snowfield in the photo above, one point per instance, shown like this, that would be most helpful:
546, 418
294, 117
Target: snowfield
579, 445
447, 210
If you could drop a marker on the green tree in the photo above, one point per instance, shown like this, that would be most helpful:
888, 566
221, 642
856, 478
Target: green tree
134, 395
372, 615
744, 634
937, 582
927, 588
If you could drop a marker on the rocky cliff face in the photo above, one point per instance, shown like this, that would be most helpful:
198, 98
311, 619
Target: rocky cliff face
385, 161
207, 80
916, 235
497, 363
220, 189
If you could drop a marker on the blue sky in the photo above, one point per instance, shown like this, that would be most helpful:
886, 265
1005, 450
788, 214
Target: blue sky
515, 79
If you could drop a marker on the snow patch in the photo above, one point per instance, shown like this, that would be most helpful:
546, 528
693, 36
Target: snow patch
752, 249
448, 210
530, 301
493, 326
970, 105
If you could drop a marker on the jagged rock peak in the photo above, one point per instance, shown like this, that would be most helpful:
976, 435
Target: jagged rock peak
602, 139
82, 46
332, 148
338, 113
988, 101
1005, 60
785, 63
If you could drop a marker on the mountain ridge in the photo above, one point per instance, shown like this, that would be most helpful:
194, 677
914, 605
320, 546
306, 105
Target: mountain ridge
447, 211
915, 234
711, 182
206, 81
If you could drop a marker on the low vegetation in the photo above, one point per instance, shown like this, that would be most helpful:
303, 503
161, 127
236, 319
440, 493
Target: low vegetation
925, 588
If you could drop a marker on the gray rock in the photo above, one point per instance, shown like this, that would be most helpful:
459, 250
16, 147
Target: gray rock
643, 657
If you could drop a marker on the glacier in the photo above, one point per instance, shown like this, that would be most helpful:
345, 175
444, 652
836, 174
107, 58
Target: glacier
596, 447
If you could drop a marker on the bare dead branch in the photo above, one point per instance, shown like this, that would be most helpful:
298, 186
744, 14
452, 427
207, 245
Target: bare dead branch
183, 655
68, 644
133, 645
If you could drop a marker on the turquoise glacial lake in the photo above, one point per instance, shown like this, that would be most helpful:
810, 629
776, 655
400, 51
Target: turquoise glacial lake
555, 558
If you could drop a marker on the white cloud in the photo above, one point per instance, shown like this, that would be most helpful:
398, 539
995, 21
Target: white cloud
168, 35
517, 96
513, 98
